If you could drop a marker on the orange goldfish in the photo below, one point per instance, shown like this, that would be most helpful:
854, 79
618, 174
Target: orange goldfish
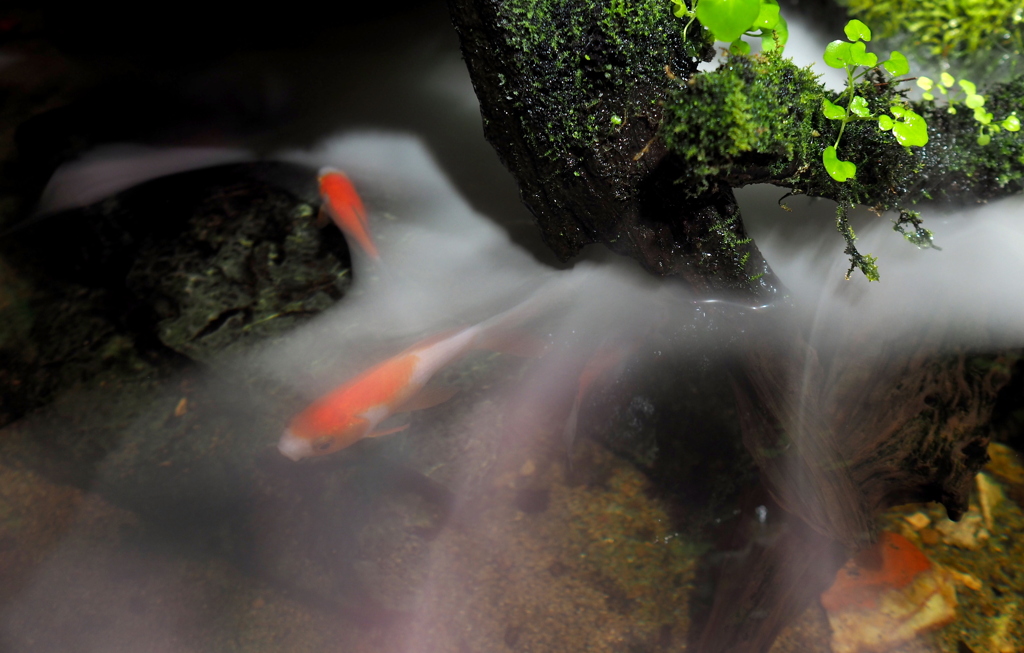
355, 409
342, 203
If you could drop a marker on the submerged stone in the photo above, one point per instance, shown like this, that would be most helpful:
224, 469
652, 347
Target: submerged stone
204, 262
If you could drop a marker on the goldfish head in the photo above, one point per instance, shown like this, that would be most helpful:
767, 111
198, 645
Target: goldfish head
297, 443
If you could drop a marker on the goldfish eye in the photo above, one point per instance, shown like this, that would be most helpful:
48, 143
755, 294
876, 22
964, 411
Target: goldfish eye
323, 443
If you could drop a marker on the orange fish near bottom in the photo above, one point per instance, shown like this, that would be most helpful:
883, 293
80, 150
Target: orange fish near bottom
342, 203
355, 409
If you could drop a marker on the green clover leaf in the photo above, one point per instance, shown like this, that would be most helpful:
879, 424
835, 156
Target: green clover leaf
768, 17
859, 107
860, 56
837, 54
974, 101
885, 123
728, 19
898, 65
982, 116
832, 111
739, 46
911, 129
838, 170
857, 31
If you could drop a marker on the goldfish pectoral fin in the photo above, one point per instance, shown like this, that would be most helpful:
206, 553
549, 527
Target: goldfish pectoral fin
322, 218
517, 343
429, 397
396, 429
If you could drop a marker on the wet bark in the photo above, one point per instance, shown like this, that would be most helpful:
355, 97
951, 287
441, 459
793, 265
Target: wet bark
620, 192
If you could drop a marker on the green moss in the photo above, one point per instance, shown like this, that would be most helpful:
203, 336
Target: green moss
947, 28
583, 69
761, 114
751, 111
758, 119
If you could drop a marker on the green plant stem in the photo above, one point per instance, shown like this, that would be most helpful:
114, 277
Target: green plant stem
693, 17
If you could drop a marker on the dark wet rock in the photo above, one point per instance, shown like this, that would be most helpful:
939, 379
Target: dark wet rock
59, 336
200, 263
249, 263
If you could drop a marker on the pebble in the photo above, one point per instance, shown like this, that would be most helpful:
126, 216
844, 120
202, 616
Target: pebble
990, 495
1005, 463
968, 533
918, 520
967, 580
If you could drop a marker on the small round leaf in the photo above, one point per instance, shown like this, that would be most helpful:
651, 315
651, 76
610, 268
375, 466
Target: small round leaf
885, 123
860, 56
727, 19
768, 16
984, 139
925, 82
946, 79
898, 65
911, 130
857, 31
739, 46
859, 107
832, 111
969, 87
776, 38
975, 101
838, 170
1011, 123
837, 54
